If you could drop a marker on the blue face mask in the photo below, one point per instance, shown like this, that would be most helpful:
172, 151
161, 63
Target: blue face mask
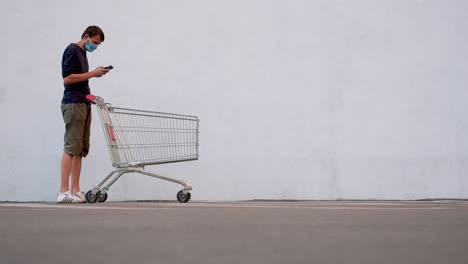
91, 46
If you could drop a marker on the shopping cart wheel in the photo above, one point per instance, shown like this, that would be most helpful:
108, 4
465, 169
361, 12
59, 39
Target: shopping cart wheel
90, 197
102, 197
182, 197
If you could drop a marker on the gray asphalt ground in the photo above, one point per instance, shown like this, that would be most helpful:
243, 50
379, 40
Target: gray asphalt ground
235, 232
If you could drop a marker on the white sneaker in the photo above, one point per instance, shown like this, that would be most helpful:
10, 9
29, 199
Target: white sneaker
81, 195
67, 197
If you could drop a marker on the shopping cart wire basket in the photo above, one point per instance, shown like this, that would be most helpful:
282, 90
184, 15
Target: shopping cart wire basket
138, 138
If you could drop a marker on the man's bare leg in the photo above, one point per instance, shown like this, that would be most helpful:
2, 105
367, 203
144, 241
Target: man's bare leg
67, 160
75, 174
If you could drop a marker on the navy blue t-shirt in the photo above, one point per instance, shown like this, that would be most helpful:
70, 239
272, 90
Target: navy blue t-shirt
74, 60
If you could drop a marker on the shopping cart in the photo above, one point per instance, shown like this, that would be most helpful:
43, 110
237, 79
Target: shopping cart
138, 138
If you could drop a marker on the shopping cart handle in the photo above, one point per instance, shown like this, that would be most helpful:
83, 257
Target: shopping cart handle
95, 99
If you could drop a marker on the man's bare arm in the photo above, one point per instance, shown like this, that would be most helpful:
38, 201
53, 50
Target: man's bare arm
79, 77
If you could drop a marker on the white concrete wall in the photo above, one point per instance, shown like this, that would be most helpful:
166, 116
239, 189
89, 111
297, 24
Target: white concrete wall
297, 99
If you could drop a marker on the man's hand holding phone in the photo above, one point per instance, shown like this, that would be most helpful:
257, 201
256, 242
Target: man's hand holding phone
100, 71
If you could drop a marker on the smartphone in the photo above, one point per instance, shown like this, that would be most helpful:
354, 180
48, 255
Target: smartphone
110, 67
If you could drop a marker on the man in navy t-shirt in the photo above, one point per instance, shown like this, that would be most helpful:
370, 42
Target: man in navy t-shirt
76, 111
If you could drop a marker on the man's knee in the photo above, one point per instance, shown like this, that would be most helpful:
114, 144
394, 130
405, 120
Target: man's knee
74, 148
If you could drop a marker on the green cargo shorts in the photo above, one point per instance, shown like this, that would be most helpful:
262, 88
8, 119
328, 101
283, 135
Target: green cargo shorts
77, 118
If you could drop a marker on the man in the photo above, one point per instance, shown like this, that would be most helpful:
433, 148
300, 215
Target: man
76, 111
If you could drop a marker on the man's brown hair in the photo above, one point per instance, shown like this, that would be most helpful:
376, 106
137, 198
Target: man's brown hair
93, 31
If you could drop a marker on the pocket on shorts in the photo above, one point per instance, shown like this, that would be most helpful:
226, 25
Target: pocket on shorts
79, 112
67, 112
74, 112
